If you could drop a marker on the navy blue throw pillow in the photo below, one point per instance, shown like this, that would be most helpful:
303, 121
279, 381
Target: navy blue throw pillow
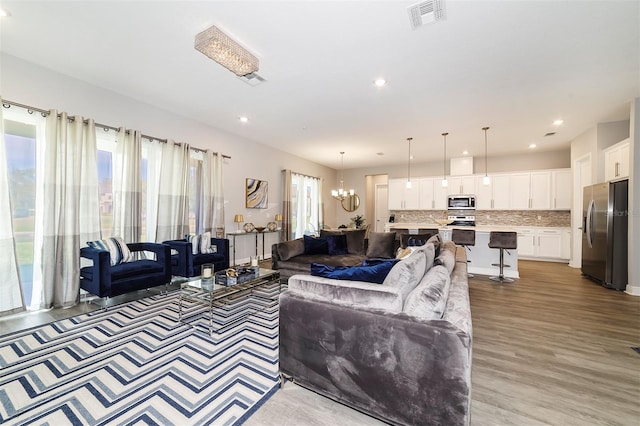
314, 245
414, 242
337, 244
378, 260
369, 273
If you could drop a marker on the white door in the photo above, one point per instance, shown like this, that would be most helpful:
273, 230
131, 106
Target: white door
382, 209
581, 178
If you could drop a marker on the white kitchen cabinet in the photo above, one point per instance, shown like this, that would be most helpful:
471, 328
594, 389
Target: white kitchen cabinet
519, 197
495, 195
549, 243
526, 242
544, 243
540, 190
461, 185
501, 185
427, 196
433, 196
402, 198
484, 194
616, 161
561, 186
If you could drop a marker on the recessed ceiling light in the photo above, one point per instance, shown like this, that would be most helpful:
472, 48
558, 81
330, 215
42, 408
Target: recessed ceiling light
4, 12
411, 157
465, 152
380, 82
532, 145
558, 122
244, 119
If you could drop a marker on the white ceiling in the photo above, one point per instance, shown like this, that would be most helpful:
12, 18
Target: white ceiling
512, 65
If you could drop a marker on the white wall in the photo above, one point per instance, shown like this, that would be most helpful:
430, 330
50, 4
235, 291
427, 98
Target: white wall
32, 85
634, 200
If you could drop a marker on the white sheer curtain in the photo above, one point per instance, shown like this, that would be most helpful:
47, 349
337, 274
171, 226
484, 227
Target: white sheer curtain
306, 202
127, 185
212, 194
287, 205
173, 195
153, 153
11, 298
67, 209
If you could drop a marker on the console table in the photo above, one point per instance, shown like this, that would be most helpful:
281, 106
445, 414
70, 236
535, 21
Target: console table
255, 234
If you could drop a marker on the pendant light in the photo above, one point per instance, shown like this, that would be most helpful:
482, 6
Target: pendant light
445, 183
409, 165
340, 193
486, 180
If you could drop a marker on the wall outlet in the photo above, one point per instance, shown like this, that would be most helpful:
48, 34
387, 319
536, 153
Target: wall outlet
539, 217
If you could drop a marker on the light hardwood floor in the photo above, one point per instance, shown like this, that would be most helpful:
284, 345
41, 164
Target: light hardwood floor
553, 348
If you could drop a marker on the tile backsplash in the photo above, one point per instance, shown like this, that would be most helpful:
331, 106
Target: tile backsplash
551, 218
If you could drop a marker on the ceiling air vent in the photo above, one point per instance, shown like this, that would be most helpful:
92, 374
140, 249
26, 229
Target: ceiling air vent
252, 79
426, 12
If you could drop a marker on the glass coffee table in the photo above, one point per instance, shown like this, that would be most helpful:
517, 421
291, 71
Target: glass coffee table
219, 296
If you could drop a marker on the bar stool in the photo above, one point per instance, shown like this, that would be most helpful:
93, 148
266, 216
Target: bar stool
465, 238
503, 241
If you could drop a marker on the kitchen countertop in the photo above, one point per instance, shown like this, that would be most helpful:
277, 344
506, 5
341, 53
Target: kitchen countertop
480, 228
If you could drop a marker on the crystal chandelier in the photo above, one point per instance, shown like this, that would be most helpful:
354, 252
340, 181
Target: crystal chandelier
340, 193
224, 50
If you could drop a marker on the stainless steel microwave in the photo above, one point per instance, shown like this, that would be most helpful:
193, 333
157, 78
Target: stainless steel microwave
461, 202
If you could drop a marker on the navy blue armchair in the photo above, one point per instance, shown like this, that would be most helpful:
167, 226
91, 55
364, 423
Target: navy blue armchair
186, 264
105, 280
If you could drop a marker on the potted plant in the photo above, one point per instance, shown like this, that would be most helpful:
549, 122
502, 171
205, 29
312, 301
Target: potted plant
358, 221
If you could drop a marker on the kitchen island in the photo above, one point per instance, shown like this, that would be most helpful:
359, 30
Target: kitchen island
481, 257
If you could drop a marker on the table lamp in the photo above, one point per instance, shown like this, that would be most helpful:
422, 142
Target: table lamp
238, 219
278, 217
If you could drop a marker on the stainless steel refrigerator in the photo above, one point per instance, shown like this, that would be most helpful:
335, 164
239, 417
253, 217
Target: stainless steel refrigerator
605, 233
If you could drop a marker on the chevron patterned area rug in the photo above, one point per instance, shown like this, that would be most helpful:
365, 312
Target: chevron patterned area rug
136, 364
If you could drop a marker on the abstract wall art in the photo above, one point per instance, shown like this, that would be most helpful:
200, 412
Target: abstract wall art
257, 193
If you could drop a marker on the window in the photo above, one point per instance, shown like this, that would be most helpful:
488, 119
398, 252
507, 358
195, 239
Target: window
106, 142
20, 142
305, 200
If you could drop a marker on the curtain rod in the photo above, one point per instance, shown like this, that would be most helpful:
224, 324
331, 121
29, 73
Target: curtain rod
302, 174
8, 104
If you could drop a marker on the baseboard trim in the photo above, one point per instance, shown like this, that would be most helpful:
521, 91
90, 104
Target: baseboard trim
633, 290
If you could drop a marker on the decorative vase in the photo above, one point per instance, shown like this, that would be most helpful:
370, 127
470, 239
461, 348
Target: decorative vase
272, 226
248, 227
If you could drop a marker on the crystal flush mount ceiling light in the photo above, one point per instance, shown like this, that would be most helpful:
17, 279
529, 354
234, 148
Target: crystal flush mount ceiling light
218, 46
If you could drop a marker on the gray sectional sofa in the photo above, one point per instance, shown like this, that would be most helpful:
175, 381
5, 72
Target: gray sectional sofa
399, 351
